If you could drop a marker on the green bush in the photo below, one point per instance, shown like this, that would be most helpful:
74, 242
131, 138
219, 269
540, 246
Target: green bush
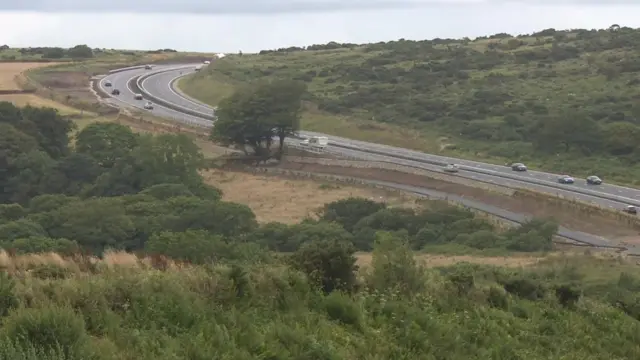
50, 328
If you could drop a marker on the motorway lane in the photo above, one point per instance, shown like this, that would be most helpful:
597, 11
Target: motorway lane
120, 81
160, 85
513, 184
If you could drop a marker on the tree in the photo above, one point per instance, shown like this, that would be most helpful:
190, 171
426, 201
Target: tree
197, 247
621, 138
569, 131
329, 263
49, 128
394, 266
348, 212
163, 159
252, 116
106, 142
80, 52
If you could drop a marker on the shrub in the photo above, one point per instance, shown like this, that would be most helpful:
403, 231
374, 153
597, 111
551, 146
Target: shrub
50, 329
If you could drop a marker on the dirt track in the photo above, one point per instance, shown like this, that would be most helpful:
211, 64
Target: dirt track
568, 217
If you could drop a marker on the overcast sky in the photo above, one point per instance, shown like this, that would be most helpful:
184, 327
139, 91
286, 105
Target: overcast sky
253, 25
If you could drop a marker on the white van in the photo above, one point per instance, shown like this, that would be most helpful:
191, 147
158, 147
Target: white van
319, 141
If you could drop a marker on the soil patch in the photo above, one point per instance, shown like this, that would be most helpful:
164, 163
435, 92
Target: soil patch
9, 71
566, 216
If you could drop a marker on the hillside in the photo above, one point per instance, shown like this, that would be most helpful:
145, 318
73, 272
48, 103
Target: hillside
208, 280
565, 101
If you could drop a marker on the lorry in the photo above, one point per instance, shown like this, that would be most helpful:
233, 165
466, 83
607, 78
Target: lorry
316, 141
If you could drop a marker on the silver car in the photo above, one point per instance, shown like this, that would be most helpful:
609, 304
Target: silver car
451, 168
148, 105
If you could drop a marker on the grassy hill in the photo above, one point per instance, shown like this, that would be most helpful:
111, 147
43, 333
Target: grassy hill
121, 307
564, 101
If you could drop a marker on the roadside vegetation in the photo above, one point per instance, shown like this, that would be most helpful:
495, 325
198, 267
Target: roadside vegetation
210, 281
557, 100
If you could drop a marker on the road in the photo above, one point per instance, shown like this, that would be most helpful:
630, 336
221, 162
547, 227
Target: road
611, 196
161, 85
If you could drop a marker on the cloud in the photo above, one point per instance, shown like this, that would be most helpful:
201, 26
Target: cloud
204, 7
259, 6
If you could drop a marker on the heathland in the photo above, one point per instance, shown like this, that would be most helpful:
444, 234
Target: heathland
116, 248
563, 101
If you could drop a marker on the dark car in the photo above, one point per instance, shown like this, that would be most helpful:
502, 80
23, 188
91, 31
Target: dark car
115, 92
518, 167
107, 83
630, 210
594, 180
566, 179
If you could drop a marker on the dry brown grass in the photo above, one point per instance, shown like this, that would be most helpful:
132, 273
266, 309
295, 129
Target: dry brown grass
34, 100
80, 264
290, 201
9, 71
432, 260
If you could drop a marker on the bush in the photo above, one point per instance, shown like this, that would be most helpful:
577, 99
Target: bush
49, 328
342, 308
330, 264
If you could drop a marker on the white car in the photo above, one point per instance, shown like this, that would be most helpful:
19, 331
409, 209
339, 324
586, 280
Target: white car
138, 96
451, 168
148, 105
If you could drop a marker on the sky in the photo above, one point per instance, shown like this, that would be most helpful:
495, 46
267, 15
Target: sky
254, 25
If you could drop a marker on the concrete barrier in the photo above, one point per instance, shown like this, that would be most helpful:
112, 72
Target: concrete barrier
126, 69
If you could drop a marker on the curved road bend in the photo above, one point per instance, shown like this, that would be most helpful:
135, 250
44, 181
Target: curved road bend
160, 85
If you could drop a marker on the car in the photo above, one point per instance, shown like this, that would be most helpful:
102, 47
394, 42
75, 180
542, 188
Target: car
148, 67
518, 167
148, 105
207, 62
594, 180
451, 168
115, 92
566, 179
630, 209
107, 83
138, 96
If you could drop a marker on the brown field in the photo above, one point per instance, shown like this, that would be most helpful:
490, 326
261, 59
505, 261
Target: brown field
34, 100
432, 260
8, 72
290, 201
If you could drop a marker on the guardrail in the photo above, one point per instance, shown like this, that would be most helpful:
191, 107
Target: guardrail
167, 104
517, 219
126, 69
550, 184
497, 174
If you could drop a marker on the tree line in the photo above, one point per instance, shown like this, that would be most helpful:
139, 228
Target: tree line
107, 187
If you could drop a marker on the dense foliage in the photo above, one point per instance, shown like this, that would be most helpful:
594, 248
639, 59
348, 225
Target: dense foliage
232, 298
549, 97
